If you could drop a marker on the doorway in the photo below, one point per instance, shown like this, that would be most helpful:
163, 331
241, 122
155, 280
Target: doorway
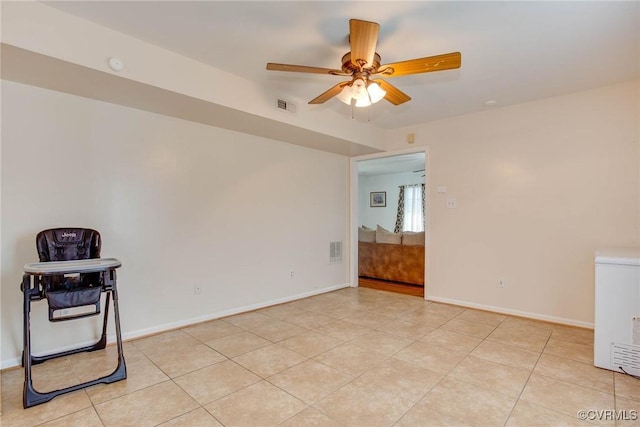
375, 191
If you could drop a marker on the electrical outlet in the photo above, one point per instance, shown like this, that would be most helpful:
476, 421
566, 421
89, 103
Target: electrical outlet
197, 289
290, 274
501, 282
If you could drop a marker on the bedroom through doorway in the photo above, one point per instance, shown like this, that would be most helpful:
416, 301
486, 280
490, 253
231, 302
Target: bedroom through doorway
390, 209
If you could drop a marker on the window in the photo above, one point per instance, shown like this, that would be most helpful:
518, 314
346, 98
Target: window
410, 208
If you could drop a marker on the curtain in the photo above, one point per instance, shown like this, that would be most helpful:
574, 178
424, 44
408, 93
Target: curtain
400, 215
411, 202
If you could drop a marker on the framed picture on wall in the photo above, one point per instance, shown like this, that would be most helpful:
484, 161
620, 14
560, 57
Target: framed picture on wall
378, 199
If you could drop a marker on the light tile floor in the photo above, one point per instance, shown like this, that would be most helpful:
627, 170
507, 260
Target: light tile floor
353, 357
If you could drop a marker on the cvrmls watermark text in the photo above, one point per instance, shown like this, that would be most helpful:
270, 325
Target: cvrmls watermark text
608, 415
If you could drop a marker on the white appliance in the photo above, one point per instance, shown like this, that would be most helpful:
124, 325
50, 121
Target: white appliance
617, 310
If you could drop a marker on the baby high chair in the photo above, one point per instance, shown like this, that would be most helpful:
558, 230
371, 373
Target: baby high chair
71, 276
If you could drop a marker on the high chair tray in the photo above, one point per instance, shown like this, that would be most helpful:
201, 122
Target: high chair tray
75, 266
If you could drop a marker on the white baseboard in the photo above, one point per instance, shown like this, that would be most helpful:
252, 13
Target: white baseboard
131, 335
501, 310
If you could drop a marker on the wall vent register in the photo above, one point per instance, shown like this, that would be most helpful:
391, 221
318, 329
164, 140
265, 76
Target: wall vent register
335, 252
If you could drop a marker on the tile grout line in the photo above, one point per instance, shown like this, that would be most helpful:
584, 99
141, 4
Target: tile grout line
527, 381
447, 374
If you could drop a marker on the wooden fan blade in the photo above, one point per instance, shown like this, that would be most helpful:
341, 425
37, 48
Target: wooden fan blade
304, 69
446, 61
325, 96
363, 38
394, 95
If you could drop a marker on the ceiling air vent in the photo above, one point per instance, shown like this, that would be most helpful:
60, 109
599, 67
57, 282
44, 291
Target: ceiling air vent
285, 105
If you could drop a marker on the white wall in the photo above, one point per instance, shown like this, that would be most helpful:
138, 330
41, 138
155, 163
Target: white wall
540, 186
179, 203
390, 183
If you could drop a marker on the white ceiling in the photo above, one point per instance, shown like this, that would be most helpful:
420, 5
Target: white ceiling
512, 51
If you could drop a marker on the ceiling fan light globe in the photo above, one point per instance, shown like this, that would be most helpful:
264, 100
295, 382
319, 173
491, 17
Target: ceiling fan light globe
345, 95
363, 102
359, 89
376, 93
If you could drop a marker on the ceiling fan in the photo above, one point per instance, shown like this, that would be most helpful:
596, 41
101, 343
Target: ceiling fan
362, 65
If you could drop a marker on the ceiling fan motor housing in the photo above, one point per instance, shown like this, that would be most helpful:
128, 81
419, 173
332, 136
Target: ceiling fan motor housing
350, 67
